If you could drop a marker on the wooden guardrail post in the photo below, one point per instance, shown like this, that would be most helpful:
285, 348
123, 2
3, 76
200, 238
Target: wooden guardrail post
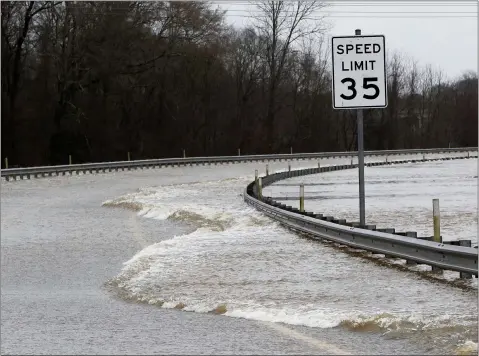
267, 170
6, 162
184, 153
129, 157
70, 159
291, 149
239, 151
260, 188
301, 198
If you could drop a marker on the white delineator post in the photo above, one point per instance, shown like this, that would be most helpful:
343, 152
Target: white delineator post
436, 220
437, 229
301, 198
260, 188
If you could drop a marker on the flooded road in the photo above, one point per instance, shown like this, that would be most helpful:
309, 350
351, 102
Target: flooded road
173, 261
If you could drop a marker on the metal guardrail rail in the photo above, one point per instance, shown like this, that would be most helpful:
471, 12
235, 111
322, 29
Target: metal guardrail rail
439, 255
13, 173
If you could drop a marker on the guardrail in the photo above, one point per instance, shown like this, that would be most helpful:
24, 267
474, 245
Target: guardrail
28, 172
414, 250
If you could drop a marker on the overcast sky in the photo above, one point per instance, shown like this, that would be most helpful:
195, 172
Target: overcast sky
437, 32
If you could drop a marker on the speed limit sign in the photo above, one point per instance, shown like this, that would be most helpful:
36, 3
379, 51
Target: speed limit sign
359, 72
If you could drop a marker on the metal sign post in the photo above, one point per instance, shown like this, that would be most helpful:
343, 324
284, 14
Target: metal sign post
362, 197
359, 81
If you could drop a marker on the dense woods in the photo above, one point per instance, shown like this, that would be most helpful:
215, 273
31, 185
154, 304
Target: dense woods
97, 80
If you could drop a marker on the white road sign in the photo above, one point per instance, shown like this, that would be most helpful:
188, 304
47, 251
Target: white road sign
359, 72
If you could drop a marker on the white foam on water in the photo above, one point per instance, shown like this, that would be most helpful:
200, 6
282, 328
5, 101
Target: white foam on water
244, 261
467, 348
312, 317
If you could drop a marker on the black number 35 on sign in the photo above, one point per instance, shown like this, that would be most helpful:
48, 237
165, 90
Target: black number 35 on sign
359, 72
366, 85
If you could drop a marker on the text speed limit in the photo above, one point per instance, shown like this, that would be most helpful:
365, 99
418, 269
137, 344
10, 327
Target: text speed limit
359, 73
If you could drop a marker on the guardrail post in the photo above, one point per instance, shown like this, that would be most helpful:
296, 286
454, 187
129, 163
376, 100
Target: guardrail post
386, 159
256, 176
467, 154
6, 163
414, 235
260, 188
70, 159
267, 170
436, 220
351, 161
411, 263
239, 151
466, 243
319, 164
291, 149
129, 157
289, 167
301, 198
184, 153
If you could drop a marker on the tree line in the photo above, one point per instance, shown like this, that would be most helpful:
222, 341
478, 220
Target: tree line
101, 80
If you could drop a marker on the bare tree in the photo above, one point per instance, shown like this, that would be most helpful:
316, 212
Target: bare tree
243, 61
390, 116
283, 24
17, 20
409, 122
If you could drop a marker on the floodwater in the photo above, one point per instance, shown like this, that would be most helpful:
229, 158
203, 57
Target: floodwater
398, 196
173, 261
